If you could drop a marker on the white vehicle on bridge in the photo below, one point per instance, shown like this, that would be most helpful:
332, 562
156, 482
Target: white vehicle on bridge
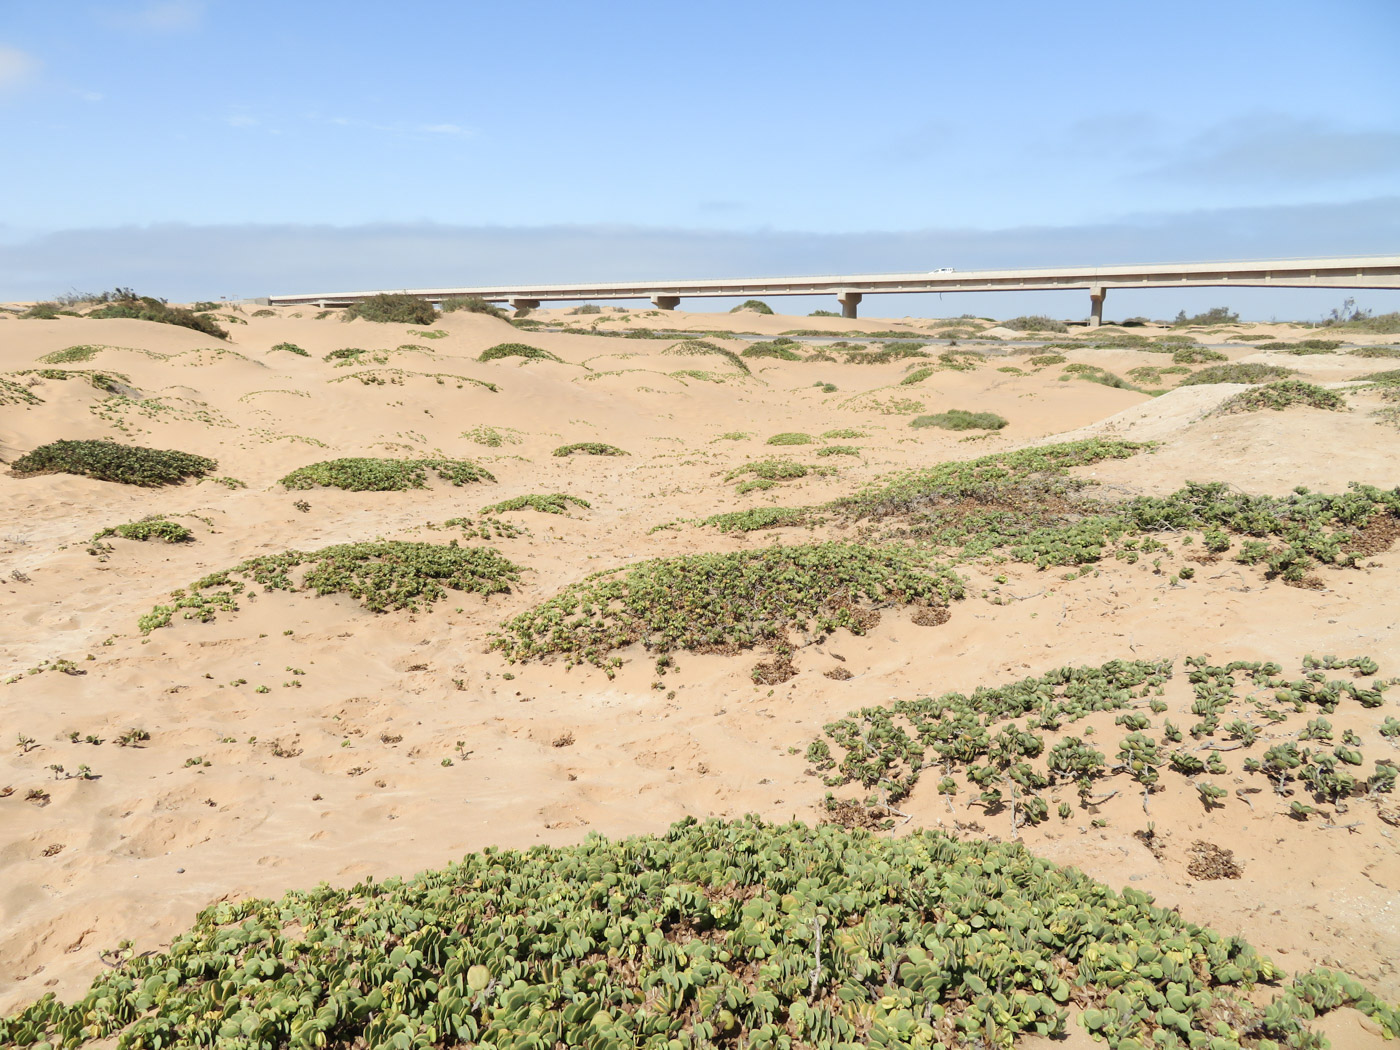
942, 269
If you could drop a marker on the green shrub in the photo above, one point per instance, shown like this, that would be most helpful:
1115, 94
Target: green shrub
735, 601
1388, 378
1363, 321
1374, 351
1238, 373
790, 438
738, 906
1282, 394
587, 308
552, 503
145, 308
41, 312
382, 475
156, 527
700, 346
292, 348
917, 376
1197, 355
772, 469
1215, 315
1304, 347
346, 353
838, 450
384, 575
893, 351
108, 461
844, 433
531, 353
590, 448
264, 313
1044, 360
754, 305
781, 348
960, 419
472, 304
1034, 323
492, 437
759, 518
823, 313
393, 308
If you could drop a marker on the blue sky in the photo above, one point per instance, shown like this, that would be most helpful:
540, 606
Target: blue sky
446, 143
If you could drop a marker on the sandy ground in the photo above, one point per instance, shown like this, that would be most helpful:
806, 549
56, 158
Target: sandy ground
384, 744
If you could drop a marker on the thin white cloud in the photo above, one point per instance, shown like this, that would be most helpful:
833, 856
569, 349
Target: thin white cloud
444, 129
1279, 149
17, 68
159, 16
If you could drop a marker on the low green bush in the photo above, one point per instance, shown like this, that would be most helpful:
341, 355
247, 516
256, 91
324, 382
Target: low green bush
393, 308
1374, 351
1215, 315
551, 503
1304, 347
357, 474
892, 351
472, 304
383, 575
759, 518
772, 469
917, 376
838, 450
492, 437
1034, 323
156, 527
790, 438
1284, 393
345, 353
292, 348
109, 461
1044, 360
1239, 372
146, 308
590, 448
723, 601
781, 348
960, 419
754, 306
1197, 355
1387, 378
844, 433
530, 353
587, 308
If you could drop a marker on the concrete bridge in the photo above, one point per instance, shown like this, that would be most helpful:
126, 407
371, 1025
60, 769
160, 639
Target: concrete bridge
1374, 271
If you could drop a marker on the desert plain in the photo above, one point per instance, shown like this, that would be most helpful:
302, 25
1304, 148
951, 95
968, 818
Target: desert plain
300, 739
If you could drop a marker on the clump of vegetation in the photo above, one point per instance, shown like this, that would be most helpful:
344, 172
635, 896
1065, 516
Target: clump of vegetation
73, 355
1374, 351
1284, 393
393, 308
109, 461
1348, 316
472, 304
790, 438
346, 353
754, 306
531, 353
780, 348
1304, 347
1044, 360
492, 437
1215, 315
590, 448
768, 472
155, 527
917, 376
587, 308
723, 602
734, 435
844, 434
701, 346
357, 474
551, 503
1197, 355
737, 917
760, 518
292, 348
1240, 372
960, 419
1034, 323
383, 575
127, 304
45, 312
893, 351
839, 450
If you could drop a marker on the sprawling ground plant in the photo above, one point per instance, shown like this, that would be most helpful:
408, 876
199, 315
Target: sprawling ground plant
357, 474
701, 347
522, 350
156, 527
782, 349
589, 448
383, 575
109, 461
545, 503
724, 602
960, 419
760, 518
747, 933
1240, 372
146, 308
1281, 394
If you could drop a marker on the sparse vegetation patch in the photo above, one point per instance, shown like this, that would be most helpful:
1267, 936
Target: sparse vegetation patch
530, 353
109, 461
359, 474
1239, 372
960, 419
589, 448
393, 308
156, 527
550, 503
1281, 394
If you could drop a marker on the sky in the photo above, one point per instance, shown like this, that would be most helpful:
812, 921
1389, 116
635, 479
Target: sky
208, 148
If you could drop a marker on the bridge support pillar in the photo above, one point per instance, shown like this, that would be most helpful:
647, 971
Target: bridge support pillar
849, 301
524, 306
1096, 297
666, 302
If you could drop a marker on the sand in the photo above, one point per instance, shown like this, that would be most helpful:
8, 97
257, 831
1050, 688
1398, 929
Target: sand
384, 744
